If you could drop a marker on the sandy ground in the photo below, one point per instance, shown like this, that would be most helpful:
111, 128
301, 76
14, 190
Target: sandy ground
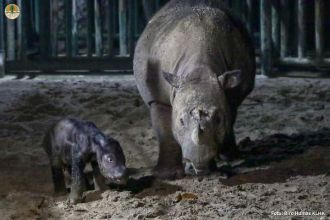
283, 130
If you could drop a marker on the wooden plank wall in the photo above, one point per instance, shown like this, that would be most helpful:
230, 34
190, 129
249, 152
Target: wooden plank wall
112, 30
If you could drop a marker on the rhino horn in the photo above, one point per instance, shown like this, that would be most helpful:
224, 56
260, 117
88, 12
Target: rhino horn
196, 135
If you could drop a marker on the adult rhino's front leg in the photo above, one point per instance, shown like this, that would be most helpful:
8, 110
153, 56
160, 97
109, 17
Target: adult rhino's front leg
169, 164
230, 150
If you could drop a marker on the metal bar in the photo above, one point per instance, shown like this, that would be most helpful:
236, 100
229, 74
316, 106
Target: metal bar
319, 29
74, 30
266, 36
301, 29
90, 22
98, 34
276, 28
54, 24
68, 27
122, 13
109, 23
284, 28
2, 43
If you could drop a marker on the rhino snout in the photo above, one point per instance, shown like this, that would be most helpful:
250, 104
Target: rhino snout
198, 136
118, 175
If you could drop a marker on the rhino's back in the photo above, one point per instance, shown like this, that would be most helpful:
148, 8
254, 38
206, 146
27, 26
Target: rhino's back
189, 31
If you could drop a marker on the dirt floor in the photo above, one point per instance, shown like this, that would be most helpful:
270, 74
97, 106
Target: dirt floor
283, 130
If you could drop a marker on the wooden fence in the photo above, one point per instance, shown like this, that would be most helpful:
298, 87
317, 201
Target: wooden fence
67, 36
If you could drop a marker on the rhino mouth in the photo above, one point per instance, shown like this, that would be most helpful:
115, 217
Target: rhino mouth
118, 181
192, 168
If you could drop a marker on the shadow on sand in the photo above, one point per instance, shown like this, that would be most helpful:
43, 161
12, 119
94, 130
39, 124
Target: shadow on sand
279, 157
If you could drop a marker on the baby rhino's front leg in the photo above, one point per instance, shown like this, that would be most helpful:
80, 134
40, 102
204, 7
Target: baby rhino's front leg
99, 180
78, 184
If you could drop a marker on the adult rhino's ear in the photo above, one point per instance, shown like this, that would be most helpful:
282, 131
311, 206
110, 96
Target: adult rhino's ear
230, 79
172, 79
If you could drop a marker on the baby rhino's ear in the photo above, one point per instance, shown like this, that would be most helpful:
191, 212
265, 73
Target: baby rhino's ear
99, 139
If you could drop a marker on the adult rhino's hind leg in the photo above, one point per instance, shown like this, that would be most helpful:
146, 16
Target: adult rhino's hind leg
169, 164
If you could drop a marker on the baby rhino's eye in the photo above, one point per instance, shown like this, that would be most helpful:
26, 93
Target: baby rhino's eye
108, 158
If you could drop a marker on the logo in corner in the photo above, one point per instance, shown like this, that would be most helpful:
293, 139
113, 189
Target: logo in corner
12, 11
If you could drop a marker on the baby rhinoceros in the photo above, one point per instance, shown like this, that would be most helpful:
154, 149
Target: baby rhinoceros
70, 144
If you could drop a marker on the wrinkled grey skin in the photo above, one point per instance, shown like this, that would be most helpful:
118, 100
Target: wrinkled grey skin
70, 144
194, 64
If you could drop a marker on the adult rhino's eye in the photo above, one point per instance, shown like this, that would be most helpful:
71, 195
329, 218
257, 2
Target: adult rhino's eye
181, 122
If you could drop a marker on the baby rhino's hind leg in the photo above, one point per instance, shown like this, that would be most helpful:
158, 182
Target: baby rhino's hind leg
78, 184
58, 176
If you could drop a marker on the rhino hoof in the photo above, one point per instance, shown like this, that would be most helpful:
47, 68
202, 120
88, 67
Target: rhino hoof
170, 173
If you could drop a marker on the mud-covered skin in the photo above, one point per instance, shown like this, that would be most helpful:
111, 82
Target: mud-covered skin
70, 144
194, 64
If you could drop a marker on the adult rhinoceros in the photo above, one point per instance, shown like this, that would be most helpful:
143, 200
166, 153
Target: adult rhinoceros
194, 64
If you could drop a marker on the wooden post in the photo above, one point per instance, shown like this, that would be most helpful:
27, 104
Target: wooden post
301, 29
266, 36
44, 14
54, 25
2, 43
319, 29
30, 29
68, 28
249, 21
22, 28
19, 27
36, 13
236, 7
90, 22
74, 30
110, 23
130, 28
148, 8
276, 28
98, 31
284, 28
157, 5
10, 38
136, 17
122, 27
